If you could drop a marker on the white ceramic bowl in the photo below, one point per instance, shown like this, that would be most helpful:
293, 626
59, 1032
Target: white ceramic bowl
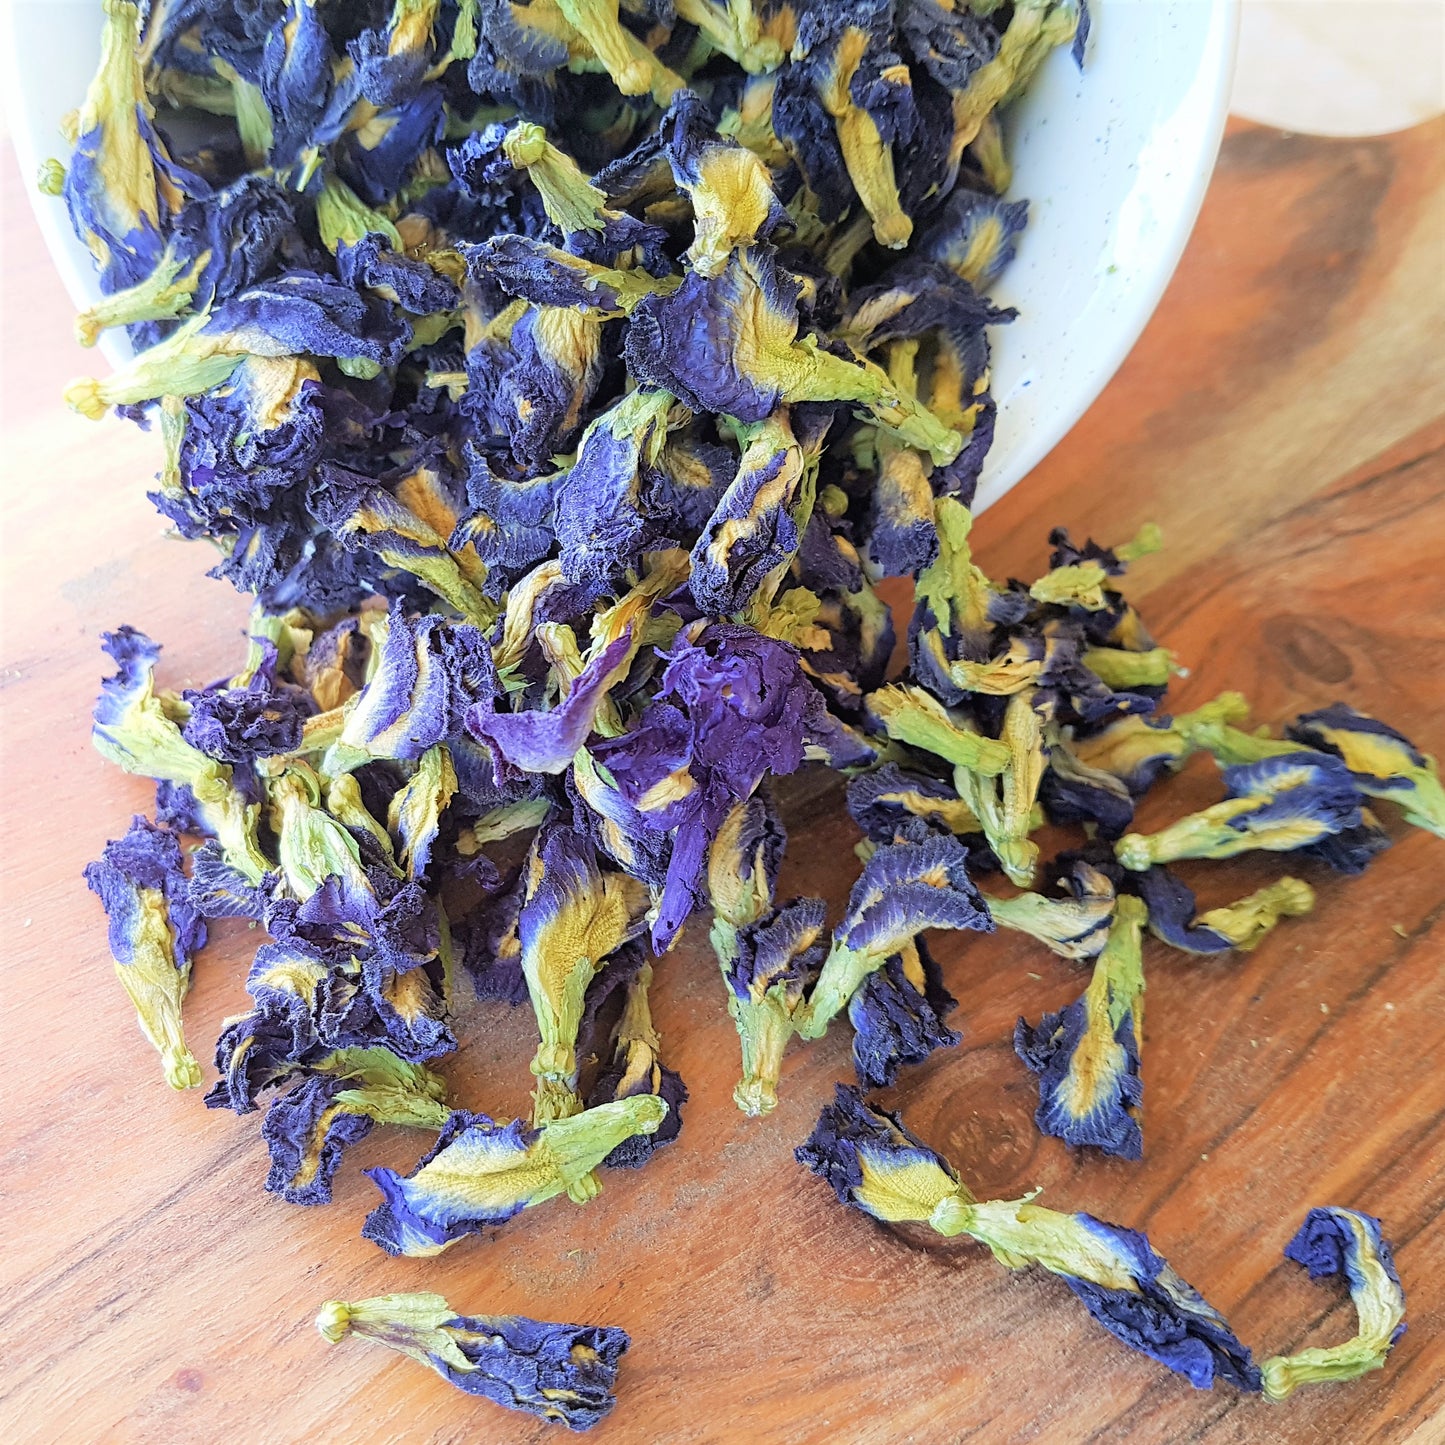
1114, 160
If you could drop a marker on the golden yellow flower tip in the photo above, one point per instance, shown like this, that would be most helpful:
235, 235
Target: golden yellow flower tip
50, 177
86, 395
334, 1321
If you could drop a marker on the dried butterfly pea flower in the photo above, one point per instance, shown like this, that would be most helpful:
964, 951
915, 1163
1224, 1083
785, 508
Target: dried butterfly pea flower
308, 1128
239, 724
372, 263
1073, 926
1334, 1241
292, 987
1124, 671
1141, 750
1078, 578
488, 946
1124, 1285
537, 741
1071, 791
306, 1134
875, 1164
1280, 803
846, 78
767, 956
1174, 916
481, 1173
901, 539
756, 527
556, 1372
954, 603
164, 295
1004, 804
364, 516
216, 890
730, 343
345, 803
882, 802
742, 865
557, 364
346, 970
635, 1069
615, 826
733, 708
597, 518
897, 1016
572, 203
912, 716
139, 730
678, 610
1087, 1055
1035, 27
299, 313
731, 189
904, 888
1348, 849
975, 235
573, 918
1383, 763
634, 69
310, 844
154, 931
757, 37
548, 276
767, 965
914, 298
121, 186
507, 523
429, 671
414, 818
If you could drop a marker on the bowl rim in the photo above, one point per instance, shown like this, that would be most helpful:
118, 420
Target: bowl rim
1148, 284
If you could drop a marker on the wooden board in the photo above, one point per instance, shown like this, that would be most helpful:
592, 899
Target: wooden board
1284, 420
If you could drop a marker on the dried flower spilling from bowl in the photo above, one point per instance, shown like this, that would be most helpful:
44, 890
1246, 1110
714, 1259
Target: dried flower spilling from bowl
563, 380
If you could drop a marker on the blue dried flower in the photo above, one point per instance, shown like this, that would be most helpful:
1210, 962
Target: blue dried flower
154, 931
556, 1372
1174, 916
1334, 1241
306, 1134
875, 1164
480, 1173
753, 533
1087, 1056
734, 707
1292, 800
636, 1069
573, 919
1383, 762
1152, 1310
216, 890
429, 672
897, 1016
883, 802
308, 1128
240, 724
768, 964
904, 888
536, 741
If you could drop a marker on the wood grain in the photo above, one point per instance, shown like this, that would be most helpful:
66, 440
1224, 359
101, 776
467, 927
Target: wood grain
1282, 419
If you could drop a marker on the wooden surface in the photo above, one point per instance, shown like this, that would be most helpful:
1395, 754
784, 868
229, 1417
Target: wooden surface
1284, 420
